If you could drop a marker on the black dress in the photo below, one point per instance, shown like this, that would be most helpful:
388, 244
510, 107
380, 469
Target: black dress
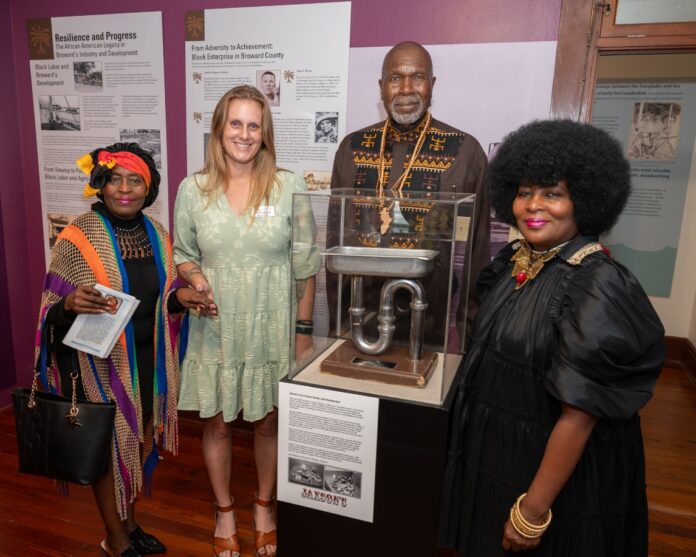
584, 334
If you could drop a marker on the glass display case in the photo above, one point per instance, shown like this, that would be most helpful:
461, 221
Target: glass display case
391, 295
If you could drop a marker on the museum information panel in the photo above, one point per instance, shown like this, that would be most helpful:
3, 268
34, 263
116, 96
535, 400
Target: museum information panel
96, 80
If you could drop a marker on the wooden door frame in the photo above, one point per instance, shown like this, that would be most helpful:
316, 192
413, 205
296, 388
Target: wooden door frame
587, 29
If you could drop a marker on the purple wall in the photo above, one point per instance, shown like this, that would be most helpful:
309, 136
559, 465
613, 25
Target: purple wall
374, 23
16, 307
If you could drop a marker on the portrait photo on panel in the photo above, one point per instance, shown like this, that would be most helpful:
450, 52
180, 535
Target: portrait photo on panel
268, 82
326, 127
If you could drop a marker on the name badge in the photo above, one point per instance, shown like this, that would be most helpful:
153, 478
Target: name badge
265, 211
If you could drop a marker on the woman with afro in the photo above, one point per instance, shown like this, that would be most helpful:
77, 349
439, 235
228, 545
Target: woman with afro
546, 453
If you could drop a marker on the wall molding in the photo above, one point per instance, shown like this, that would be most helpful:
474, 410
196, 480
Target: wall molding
682, 354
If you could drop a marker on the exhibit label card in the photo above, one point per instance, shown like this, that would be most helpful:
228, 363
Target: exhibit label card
96, 80
296, 55
327, 450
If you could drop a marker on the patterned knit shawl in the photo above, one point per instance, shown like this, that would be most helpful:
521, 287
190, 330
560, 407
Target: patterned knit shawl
86, 252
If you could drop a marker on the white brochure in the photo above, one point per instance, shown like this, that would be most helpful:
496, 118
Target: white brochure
97, 334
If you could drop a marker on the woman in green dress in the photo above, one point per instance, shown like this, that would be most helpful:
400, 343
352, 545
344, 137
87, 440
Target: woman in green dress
232, 241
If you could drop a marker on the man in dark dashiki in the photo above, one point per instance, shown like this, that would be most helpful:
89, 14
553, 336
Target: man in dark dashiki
412, 152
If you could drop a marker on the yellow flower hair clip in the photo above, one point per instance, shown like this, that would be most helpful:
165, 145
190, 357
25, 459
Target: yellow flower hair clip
89, 191
85, 163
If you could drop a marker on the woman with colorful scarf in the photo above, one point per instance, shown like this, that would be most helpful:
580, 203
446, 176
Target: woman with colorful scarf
116, 245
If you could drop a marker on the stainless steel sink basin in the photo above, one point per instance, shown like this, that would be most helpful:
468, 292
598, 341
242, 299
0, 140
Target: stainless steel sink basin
380, 262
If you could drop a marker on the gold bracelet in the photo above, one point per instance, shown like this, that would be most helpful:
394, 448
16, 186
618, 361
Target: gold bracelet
520, 528
524, 521
525, 528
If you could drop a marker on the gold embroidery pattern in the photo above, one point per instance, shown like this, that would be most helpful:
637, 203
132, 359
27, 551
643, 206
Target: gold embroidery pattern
402, 243
433, 164
368, 140
583, 252
437, 144
368, 240
363, 159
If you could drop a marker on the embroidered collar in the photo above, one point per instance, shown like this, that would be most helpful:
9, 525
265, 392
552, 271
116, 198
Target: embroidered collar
395, 135
528, 263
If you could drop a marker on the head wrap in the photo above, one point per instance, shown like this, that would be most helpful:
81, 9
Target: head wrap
99, 163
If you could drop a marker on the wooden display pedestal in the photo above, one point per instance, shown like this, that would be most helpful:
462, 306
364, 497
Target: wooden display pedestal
393, 367
411, 456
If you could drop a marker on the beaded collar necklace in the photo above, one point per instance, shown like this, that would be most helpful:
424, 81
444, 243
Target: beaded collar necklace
133, 242
385, 211
529, 262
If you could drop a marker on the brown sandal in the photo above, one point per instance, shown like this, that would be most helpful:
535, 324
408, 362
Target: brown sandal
231, 544
264, 538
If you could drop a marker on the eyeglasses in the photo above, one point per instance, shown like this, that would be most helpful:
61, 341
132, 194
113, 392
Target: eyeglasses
134, 180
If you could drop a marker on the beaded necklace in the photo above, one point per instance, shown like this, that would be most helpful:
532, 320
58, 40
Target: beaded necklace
133, 242
385, 211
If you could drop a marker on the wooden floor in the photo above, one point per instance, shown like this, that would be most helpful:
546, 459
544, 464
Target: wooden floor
37, 521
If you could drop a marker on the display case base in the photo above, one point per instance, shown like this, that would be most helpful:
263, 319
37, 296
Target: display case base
393, 367
411, 457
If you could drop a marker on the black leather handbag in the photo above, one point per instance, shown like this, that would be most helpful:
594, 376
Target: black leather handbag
61, 438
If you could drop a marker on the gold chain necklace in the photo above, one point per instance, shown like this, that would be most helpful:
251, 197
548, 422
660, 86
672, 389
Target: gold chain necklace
385, 211
529, 262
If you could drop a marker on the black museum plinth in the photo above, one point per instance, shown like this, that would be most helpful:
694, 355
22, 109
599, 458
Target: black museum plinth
411, 454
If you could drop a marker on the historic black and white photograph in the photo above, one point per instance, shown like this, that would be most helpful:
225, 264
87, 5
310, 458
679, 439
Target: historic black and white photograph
60, 112
317, 179
342, 482
149, 140
305, 472
326, 127
654, 132
268, 82
56, 223
88, 77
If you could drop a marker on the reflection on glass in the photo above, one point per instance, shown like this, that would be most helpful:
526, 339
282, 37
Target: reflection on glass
631, 12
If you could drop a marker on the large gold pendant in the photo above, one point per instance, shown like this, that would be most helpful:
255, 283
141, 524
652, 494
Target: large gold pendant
386, 219
526, 267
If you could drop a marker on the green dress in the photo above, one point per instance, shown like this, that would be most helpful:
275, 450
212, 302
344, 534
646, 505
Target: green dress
234, 360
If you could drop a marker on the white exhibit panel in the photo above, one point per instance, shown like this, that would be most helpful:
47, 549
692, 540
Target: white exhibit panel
297, 55
655, 122
96, 80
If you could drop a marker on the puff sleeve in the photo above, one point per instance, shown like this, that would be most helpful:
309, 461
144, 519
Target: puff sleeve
610, 342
